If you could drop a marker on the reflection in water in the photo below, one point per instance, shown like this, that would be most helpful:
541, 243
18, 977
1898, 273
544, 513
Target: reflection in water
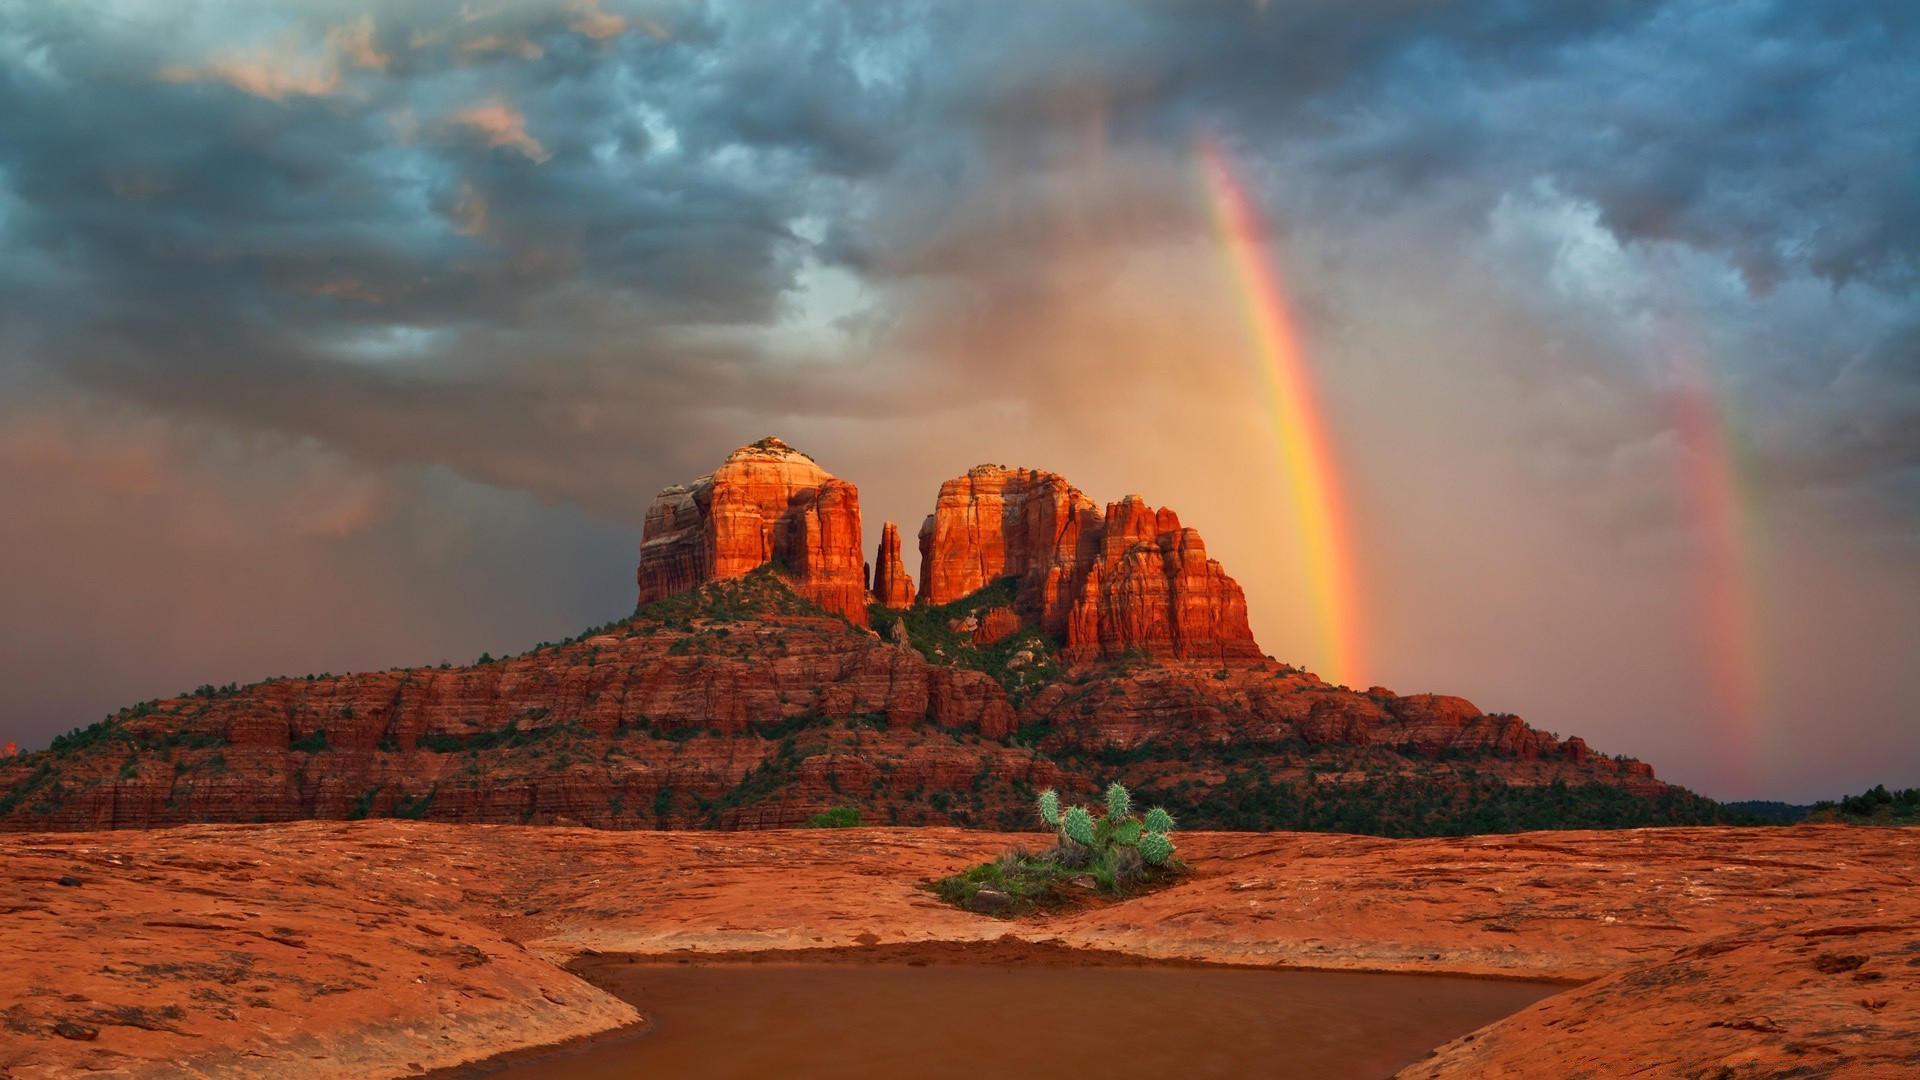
894, 1020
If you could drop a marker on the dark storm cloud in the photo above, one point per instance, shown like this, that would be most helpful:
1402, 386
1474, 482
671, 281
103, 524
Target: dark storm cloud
465, 216
575, 249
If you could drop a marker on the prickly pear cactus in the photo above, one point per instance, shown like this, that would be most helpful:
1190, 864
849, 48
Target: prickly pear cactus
1078, 825
1156, 848
1050, 807
1119, 803
1158, 820
1127, 833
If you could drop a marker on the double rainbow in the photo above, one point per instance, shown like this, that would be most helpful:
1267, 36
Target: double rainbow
1304, 451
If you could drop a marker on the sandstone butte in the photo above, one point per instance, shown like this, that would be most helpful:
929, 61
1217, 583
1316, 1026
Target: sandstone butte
384, 948
766, 503
1051, 644
1127, 581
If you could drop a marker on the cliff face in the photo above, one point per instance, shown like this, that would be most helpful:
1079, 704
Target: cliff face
1130, 581
738, 705
767, 502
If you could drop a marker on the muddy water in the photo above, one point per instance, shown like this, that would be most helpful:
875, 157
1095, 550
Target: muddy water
848, 1021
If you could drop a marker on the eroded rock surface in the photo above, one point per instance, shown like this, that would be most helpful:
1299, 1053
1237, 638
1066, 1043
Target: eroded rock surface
365, 949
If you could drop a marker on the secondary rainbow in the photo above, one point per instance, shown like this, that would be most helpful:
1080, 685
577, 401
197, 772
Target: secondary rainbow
1720, 510
1306, 457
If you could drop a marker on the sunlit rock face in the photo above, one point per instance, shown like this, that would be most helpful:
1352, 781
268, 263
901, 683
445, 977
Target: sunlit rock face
766, 503
1130, 580
891, 586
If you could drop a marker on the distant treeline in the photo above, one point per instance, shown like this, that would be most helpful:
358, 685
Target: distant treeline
1876, 806
1410, 807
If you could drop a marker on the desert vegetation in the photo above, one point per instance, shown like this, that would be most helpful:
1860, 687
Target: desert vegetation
1116, 853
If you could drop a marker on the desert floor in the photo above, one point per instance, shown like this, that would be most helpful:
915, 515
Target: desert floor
388, 948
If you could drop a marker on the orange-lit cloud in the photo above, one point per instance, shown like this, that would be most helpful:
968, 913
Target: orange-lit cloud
589, 20
290, 67
524, 48
504, 127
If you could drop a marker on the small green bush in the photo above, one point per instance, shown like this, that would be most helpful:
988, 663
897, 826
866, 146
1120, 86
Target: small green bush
839, 817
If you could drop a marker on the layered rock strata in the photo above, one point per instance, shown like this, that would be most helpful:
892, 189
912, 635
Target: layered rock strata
767, 503
731, 701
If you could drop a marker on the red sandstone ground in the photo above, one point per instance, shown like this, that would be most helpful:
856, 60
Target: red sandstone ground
385, 948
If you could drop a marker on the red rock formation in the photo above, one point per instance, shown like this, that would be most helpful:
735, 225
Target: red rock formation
1155, 591
743, 706
766, 502
997, 522
994, 625
9, 749
1131, 581
891, 586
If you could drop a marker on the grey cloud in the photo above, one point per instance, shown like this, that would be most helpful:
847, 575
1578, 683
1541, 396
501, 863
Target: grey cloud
273, 223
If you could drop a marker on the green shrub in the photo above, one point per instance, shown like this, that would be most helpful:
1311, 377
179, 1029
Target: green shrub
839, 817
310, 744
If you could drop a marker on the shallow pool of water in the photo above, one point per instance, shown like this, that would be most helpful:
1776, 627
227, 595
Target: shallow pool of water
977, 1021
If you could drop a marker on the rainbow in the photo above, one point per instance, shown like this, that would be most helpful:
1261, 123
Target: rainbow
1305, 454
1714, 497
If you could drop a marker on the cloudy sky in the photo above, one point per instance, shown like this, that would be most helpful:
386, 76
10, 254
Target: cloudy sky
343, 335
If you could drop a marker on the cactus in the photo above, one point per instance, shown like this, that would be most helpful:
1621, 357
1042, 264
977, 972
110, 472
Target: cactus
1119, 803
1158, 820
1078, 825
1156, 848
1050, 807
1127, 833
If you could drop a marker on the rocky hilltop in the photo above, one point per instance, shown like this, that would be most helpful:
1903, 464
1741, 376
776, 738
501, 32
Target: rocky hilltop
766, 504
1051, 643
1126, 581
